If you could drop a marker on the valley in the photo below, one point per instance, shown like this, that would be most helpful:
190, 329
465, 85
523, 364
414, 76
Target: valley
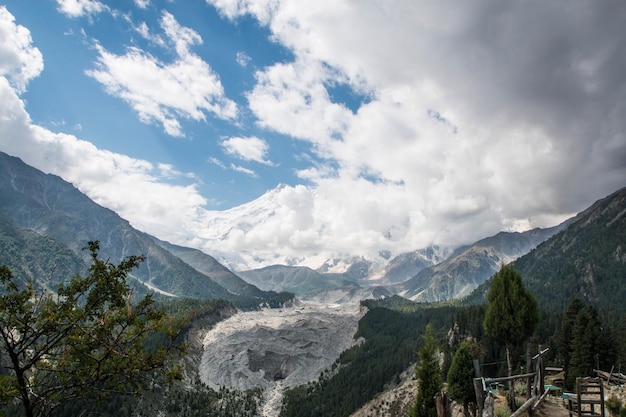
247, 359
276, 349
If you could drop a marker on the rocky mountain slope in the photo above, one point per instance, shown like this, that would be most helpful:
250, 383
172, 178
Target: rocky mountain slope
430, 274
585, 260
311, 285
210, 267
47, 205
407, 265
470, 266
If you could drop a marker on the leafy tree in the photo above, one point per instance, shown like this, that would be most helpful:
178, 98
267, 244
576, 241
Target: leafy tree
511, 315
85, 341
461, 377
428, 374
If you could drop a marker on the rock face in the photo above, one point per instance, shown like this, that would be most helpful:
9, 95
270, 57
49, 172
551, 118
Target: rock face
274, 349
394, 402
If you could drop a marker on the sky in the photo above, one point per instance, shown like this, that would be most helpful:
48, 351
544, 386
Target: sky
289, 131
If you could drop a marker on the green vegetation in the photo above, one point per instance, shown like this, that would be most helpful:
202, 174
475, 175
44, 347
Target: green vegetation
428, 373
585, 343
511, 315
391, 340
587, 260
460, 377
83, 342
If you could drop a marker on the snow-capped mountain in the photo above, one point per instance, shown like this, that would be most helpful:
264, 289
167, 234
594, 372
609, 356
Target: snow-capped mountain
288, 215
261, 233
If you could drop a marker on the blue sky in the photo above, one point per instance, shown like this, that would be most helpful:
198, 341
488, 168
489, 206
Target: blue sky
66, 97
281, 131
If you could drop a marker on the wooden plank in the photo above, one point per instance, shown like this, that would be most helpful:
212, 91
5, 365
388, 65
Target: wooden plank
510, 378
523, 408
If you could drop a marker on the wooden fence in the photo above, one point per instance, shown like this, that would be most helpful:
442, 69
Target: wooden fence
535, 387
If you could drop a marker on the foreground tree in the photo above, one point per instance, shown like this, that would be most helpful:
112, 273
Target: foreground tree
84, 341
461, 377
428, 374
511, 315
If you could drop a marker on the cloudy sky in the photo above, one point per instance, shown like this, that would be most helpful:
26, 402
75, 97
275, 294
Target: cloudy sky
290, 129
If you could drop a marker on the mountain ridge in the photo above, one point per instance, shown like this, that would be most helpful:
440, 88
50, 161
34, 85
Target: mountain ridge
49, 206
470, 266
585, 260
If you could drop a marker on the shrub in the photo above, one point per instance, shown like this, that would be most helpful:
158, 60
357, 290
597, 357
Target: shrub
613, 404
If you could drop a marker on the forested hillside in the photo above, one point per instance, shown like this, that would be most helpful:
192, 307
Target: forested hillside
587, 260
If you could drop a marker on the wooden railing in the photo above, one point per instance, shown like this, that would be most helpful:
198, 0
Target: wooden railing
535, 381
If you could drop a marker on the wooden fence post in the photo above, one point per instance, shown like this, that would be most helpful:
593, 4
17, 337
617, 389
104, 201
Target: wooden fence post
529, 364
442, 402
488, 409
478, 388
480, 397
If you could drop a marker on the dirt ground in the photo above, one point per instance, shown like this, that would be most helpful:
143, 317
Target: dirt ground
551, 407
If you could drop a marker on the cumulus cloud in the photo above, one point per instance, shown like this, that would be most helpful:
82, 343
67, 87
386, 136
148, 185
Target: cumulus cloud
248, 148
20, 61
164, 93
482, 116
479, 117
136, 189
78, 8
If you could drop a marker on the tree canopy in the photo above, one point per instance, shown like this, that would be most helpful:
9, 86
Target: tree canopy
511, 315
512, 312
86, 340
461, 377
428, 374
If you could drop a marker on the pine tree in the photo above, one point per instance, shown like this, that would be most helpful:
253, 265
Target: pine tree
428, 374
511, 316
567, 326
461, 377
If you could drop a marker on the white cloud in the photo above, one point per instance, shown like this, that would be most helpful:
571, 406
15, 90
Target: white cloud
142, 4
248, 149
243, 59
136, 189
20, 61
480, 118
161, 92
291, 98
217, 162
78, 8
243, 170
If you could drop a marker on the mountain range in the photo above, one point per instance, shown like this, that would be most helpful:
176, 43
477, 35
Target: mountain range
45, 222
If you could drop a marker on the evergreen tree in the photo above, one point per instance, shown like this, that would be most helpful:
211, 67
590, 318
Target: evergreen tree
83, 342
461, 377
567, 328
585, 334
428, 374
511, 315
